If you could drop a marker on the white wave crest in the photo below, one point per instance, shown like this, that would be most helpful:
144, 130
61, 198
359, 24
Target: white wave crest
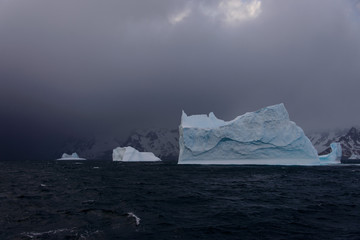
137, 219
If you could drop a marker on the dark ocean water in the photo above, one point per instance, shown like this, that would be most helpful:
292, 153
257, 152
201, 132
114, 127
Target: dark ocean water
100, 199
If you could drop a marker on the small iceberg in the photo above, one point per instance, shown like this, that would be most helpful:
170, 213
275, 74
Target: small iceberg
334, 157
74, 157
130, 154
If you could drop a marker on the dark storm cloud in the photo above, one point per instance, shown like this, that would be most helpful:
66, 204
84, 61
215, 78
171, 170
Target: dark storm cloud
109, 65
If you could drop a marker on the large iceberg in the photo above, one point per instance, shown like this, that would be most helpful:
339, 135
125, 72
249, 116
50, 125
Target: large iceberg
129, 154
73, 156
266, 136
334, 157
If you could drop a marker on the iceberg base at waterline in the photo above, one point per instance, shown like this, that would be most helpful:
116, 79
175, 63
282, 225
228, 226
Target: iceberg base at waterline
283, 161
130, 154
334, 157
73, 157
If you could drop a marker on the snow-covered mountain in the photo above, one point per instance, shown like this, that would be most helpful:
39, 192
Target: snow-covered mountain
348, 138
90, 148
164, 143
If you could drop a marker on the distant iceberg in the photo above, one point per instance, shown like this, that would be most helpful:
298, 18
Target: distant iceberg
266, 136
130, 154
334, 157
73, 156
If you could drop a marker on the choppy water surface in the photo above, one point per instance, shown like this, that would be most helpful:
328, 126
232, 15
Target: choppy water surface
112, 200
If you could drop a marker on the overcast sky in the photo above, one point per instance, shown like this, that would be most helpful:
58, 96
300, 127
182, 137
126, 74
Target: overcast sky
115, 65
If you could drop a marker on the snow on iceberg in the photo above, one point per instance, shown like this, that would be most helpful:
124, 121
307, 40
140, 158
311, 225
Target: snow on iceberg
73, 156
129, 154
354, 156
334, 157
266, 136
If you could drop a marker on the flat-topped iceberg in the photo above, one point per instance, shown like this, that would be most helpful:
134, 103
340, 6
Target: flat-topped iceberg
266, 136
334, 157
73, 156
130, 154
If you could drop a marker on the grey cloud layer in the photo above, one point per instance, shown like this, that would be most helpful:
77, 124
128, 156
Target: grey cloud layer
126, 64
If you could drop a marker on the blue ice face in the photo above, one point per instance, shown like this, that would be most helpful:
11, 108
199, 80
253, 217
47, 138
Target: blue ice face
334, 157
264, 136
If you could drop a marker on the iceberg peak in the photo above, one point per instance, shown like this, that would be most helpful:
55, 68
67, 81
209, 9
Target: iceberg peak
274, 112
183, 116
212, 116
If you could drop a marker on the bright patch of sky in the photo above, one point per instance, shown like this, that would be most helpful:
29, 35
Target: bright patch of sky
238, 10
228, 11
180, 16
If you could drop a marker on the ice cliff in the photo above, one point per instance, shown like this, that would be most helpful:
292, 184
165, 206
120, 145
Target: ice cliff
73, 156
334, 157
129, 154
266, 136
